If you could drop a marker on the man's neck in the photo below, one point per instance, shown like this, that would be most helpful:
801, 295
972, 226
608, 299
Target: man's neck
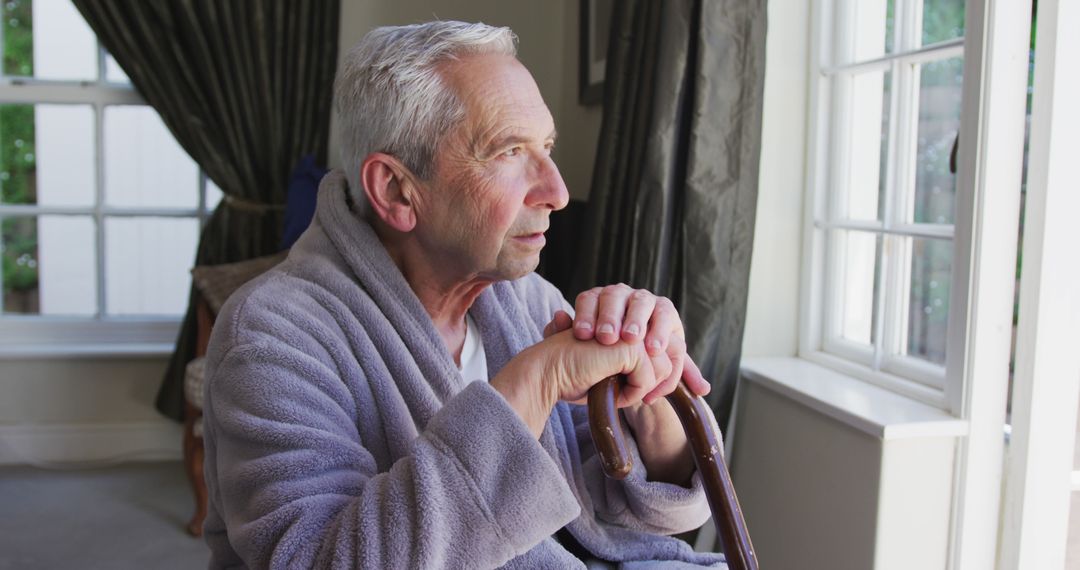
445, 297
447, 307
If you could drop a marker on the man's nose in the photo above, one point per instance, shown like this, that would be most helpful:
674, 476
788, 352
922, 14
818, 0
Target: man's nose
548, 190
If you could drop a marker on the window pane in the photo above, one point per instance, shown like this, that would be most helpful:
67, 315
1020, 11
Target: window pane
113, 72
928, 306
144, 165
18, 167
856, 271
872, 29
939, 124
47, 155
20, 269
213, 195
18, 38
65, 155
942, 20
868, 154
48, 39
147, 264
49, 265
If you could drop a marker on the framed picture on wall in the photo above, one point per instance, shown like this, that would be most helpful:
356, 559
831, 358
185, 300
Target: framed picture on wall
595, 28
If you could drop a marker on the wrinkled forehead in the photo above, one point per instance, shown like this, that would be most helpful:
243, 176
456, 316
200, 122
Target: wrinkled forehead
499, 94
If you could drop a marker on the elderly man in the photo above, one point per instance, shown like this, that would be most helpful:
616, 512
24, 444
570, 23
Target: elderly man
402, 391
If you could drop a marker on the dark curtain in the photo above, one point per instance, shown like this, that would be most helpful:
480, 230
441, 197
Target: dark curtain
245, 87
674, 188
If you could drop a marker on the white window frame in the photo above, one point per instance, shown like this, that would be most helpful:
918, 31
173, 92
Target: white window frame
989, 172
1040, 464
28, 336
883, 364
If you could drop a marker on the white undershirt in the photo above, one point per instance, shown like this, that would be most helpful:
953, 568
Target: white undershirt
473, 360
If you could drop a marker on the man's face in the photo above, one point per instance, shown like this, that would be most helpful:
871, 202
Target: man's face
485, 209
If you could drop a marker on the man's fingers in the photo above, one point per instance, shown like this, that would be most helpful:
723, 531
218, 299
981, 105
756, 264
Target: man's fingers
663, 365
638, 311
666, 384
610, 311
676, 355
639, 381
585, 313
694, 379
560, 322
664, 324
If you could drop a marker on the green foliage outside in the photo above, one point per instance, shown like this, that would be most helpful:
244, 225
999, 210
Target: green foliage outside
17, 158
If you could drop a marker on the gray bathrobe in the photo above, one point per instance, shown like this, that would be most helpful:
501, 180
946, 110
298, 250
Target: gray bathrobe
339, 433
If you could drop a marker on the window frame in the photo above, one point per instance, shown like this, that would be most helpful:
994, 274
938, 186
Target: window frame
818, 339
99, 334
989, 174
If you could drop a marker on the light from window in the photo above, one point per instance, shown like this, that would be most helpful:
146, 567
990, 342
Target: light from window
892, 82
100, 207
144, 165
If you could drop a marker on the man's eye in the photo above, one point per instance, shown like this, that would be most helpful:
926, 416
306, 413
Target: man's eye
512, 152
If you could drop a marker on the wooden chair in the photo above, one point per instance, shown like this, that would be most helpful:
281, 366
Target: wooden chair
213, 284
193, 441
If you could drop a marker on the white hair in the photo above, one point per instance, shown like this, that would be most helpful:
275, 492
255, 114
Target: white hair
390, 96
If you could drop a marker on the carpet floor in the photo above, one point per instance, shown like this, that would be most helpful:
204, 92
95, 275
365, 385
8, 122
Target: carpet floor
125, 516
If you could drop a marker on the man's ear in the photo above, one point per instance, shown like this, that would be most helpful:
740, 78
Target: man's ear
390, 190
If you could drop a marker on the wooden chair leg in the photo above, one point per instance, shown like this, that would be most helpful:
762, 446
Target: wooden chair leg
193, 465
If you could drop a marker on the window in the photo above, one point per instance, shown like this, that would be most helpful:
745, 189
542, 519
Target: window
100, 208
889, 91
888, 225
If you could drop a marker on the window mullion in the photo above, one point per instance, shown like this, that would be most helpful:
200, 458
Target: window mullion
99, 203
882, 325
100, 64
894, 187
202, 198
897, 283
838, 146
839, 122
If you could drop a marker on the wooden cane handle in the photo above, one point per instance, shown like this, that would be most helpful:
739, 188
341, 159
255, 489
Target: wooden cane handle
606, 429
708, 452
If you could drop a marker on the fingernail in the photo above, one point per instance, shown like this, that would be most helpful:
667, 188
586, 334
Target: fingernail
583, 325
606, 328
632, 330
654, 345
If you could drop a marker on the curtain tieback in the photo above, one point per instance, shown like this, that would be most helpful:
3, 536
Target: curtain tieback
250, 206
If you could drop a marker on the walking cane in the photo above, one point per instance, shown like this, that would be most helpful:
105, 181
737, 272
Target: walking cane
707, 450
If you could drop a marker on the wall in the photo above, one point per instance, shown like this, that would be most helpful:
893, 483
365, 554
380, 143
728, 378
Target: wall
820, 493
548, 46
83, 410
772, 309
803, 462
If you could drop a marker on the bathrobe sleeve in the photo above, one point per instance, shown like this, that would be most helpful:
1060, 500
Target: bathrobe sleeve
634, 502
297, 488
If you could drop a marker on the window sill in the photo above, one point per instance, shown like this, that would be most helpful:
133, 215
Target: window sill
871, 409
82, 350
70, 337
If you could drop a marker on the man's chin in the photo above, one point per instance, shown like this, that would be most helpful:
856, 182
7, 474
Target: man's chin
519, 268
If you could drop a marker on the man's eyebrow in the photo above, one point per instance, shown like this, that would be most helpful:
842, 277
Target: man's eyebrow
516, 138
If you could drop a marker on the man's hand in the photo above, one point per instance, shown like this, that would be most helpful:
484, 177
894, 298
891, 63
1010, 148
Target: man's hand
563, 368
619, 315
619, 312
